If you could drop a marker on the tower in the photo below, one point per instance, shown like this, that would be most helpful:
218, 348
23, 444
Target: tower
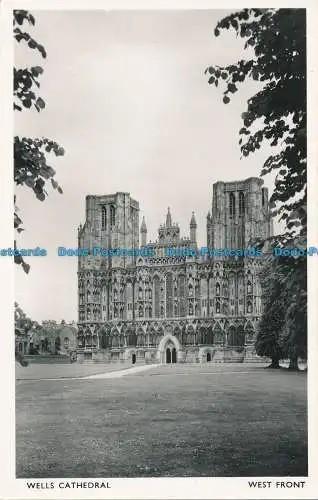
240, 214
169, 233
112, 222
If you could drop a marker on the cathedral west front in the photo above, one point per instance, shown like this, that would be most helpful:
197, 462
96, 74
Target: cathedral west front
167, 301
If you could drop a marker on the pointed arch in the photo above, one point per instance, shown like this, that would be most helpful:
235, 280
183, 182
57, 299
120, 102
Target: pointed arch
104, 218
232, 205
156, 296
241, 203
112, 216
169, 295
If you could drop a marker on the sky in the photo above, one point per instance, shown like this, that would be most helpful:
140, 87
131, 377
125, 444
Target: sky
127, 98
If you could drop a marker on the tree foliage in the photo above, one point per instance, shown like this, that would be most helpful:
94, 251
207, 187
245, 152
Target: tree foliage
277, 113
57, 345
268, 341
275, 44
23, 325
30, 154
282, 330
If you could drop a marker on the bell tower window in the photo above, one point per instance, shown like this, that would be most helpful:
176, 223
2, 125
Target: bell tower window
232, 205
103, 218
241, 203
112, 216
263, 197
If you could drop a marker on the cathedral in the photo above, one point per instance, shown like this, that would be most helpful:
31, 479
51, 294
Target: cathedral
165, 301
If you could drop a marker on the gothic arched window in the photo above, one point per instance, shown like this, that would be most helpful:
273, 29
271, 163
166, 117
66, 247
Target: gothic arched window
218, 307
112, 216
232, 205
169, 295
241, 203
182, 302
103, 218
217, 289
156, 293
131, 339
140, 340
249, 288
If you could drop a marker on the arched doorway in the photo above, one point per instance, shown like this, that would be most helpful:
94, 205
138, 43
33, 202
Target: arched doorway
174, 355
168, 355
208, 357
133, 359
169, 350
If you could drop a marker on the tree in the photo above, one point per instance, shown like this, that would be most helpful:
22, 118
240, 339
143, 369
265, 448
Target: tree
277, 113
30, 155
275, 42
294, 333
22, 321
273, 318
23, 324
57, 345
282, 329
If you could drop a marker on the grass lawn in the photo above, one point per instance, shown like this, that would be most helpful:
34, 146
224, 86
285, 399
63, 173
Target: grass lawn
172, 420
60, 370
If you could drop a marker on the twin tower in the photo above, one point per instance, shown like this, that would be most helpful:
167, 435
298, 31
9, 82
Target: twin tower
240, 213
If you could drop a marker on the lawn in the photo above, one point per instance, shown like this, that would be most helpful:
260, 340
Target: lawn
172, 420
60, 370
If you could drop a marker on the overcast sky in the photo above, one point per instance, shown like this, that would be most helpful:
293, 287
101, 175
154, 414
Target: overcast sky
127, 98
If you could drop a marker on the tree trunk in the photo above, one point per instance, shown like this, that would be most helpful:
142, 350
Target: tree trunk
293, 363
274, 363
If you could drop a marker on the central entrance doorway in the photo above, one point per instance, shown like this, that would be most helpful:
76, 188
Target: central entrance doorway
168, 356
171, 355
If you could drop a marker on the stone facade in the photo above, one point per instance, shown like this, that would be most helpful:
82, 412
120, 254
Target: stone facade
185, 307
54, 338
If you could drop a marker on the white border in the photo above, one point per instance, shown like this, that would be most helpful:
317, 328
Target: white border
158, 487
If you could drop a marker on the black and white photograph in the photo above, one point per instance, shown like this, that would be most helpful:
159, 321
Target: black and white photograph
163, 251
